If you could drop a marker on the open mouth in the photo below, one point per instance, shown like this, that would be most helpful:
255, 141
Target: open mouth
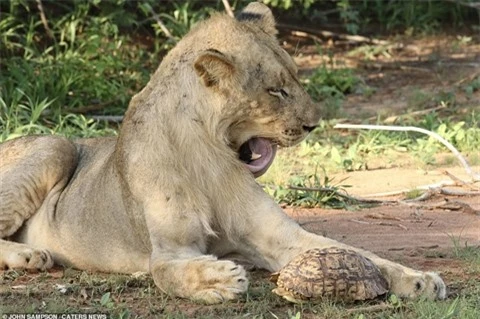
257, 153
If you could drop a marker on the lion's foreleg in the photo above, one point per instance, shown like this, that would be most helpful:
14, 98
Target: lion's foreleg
274, 239
179, 264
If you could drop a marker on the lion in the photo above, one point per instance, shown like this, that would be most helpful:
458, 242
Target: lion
176, 190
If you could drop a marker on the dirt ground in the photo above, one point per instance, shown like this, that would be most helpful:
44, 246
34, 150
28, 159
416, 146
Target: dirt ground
398, 230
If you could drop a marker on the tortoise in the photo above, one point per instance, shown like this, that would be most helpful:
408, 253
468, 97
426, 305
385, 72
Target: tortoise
334, 273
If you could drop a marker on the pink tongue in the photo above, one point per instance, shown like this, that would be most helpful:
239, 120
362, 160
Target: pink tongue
267, 151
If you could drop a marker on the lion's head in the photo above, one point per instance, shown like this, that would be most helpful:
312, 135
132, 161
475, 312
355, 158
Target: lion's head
267, 105
234, 80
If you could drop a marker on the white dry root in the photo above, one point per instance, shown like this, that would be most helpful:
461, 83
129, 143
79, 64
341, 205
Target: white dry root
461, 159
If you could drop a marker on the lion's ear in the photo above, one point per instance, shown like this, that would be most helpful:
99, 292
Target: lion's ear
259, 14
213, 66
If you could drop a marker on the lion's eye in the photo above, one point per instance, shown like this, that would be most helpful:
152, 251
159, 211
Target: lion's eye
280, 93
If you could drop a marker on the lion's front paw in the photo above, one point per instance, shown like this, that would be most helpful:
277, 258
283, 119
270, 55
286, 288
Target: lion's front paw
408, 283
428, 285
204, 279
19, 256
219, 281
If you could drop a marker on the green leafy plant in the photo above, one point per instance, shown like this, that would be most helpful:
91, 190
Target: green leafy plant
292, 315
176, 23
311, 190
106, 300
288, 4
349, 15
329, 85
395, 301
472, 87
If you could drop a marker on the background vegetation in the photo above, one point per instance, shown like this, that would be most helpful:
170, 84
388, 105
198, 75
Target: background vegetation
63, 61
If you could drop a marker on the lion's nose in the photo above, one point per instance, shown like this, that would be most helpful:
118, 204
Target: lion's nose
309, 128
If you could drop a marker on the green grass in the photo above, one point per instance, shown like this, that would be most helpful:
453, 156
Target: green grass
90, 66
125, 296
122, 296
464, 251
315, 190
409, 16
66, 290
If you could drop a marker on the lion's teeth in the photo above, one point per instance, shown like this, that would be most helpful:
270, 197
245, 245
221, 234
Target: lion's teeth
256, 156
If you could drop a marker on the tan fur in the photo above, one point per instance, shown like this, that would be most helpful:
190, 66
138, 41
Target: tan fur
170, 196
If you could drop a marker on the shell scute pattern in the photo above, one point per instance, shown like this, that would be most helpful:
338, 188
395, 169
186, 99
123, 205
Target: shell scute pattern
335, 273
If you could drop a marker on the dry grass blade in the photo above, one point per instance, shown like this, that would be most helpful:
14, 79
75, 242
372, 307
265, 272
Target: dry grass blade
379, 223
460, 181
372, 308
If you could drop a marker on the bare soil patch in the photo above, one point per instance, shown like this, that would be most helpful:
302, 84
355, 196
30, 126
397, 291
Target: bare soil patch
398, 231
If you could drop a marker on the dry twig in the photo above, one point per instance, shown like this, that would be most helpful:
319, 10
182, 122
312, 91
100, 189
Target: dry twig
433, 189
162, 26
425, 196
382, 216
360, 222
447, 205
378, 223
43, 17
468, 78
429, 187
460, 181
452, 192
311, 33
228, 8
302, 34
389, 66
466, 208
422, 247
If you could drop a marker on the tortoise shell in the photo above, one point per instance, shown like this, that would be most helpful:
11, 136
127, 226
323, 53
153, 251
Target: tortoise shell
334, 273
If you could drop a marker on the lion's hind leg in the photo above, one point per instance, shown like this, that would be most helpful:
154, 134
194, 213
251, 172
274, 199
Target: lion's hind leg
33, 172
